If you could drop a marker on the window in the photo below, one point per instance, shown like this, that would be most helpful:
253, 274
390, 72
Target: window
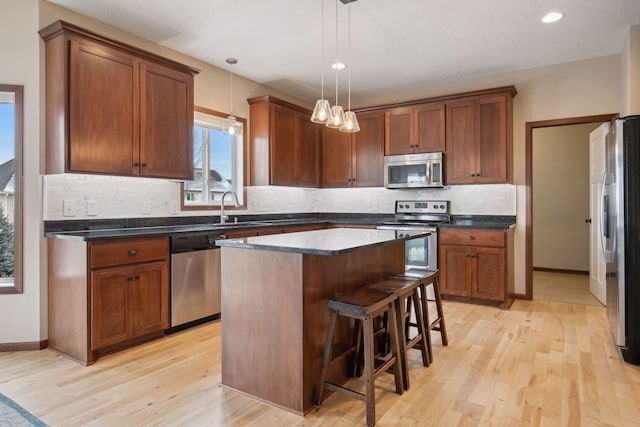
218, 160
11, 105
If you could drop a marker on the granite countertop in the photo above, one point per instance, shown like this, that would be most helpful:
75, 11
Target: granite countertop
110, 233
481, 221
110, 229
333, 241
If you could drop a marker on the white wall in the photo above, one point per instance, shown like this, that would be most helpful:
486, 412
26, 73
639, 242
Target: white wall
23, 316
561, 196
630, 72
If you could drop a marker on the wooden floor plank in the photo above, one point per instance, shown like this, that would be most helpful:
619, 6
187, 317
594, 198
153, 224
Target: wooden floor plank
537, 364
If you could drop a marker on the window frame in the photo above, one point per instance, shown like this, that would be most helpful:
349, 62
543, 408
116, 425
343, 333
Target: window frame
245, 163
18, 91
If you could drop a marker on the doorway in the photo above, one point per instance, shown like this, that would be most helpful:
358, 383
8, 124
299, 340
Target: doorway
548, 277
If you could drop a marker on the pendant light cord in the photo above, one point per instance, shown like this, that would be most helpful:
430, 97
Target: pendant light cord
231, 91
336, 51
349, 56
322, 49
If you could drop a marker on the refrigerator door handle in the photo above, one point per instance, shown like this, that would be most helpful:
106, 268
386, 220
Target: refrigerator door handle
605, 218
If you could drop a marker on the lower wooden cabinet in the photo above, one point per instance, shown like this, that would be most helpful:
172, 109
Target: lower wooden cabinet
128, 302
478, 264
105, 295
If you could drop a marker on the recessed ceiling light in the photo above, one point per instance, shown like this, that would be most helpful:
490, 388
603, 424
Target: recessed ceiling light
552, 17
338, 66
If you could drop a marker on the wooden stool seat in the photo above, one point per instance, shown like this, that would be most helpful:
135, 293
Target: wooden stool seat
363, 305
406, 289
429, 278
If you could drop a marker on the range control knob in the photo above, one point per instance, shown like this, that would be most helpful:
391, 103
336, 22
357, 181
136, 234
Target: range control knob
441, 206
435, 206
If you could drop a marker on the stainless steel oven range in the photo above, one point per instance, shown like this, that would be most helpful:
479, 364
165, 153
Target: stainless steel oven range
419, 216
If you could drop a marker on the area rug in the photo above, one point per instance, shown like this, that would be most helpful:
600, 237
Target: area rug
14, 415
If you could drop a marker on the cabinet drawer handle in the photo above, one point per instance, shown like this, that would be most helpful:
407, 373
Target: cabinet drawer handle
471, 238
132, 252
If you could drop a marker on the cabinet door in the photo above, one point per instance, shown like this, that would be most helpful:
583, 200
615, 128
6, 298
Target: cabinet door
455, 270
103, 110
336, 157
150, 298
308, 152
283, 147
429, 128
461, 143
110, 319
489, 282
398, 131
491, 148
368, 152
166, 123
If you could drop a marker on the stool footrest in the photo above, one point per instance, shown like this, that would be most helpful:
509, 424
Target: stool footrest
344, 390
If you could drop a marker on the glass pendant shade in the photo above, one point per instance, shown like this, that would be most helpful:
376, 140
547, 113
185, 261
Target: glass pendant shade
336, 119
321, 112
232, 126
350, 123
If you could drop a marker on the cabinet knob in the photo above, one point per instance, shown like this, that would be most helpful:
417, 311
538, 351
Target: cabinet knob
136, 164
129, 278
471, 237
137, 277
144, 165
132, 252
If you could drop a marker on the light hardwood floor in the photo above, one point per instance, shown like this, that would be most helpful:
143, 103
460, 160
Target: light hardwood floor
539, 363
563, 287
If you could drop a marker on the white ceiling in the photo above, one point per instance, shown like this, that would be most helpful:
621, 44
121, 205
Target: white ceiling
395, 44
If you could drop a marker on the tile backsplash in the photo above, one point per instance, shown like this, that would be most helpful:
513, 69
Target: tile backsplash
75, 196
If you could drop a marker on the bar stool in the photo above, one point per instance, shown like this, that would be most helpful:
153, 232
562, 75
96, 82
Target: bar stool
406, 290
363, 305
429, 278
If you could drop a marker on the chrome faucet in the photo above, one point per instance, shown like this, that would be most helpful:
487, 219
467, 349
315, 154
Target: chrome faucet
223, 217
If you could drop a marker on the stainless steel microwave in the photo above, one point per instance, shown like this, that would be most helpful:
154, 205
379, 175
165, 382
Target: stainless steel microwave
421, 170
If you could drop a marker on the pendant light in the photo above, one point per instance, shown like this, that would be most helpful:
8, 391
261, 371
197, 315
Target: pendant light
350, 123
336, 118
231, 125
323, 108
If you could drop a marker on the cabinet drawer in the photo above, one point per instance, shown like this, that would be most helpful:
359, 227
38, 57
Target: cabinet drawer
129, 251
472, 237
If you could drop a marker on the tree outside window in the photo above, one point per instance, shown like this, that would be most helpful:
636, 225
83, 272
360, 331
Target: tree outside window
218, 160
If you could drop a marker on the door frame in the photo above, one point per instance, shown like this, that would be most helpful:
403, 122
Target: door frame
529, 127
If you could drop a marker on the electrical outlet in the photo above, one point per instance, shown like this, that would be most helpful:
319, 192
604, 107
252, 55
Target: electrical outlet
146, 207
68, 207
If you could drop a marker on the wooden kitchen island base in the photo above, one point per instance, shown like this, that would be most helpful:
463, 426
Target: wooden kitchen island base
275, 315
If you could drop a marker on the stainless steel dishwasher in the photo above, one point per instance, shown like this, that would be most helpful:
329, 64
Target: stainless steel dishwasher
195, 279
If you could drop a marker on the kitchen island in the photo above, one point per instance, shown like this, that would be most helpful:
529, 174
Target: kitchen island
274, 302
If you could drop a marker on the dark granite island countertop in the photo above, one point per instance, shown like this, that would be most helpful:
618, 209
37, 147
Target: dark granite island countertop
275, 290
333, 241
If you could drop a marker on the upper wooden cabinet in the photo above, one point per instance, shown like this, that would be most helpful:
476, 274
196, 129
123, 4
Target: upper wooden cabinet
479, 139
417, 129
355, 159
284, 144
114, 109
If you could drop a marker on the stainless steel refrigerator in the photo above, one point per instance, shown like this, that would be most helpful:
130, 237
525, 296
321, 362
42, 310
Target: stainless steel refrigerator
620, 233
